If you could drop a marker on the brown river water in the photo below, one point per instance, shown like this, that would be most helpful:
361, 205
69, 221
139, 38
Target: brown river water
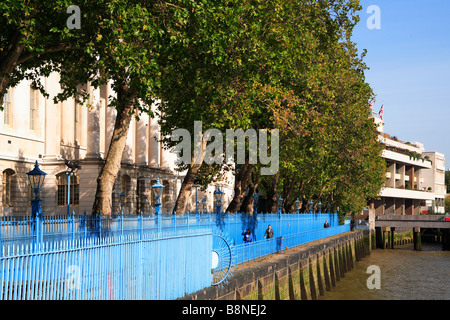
404, 274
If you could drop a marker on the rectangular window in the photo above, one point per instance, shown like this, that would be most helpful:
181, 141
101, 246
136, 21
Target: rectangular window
34, 101
63, 190
77, 121
7, 116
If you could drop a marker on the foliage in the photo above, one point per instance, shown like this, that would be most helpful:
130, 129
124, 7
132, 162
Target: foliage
277, 64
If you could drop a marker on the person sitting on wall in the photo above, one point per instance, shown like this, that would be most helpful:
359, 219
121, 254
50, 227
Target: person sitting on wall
269, 232
247, 236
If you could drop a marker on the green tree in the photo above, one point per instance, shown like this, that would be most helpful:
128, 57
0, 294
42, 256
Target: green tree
33, 36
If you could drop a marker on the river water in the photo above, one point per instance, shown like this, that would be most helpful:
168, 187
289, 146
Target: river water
404, 274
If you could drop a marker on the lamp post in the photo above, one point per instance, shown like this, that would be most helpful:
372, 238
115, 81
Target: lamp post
280, 204
122, 199
319, 205
255, 199
218, 194
157, 191
311, 204
297, 205
203, 204
36, 178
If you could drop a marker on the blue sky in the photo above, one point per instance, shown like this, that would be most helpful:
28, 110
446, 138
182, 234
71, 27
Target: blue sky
409, 61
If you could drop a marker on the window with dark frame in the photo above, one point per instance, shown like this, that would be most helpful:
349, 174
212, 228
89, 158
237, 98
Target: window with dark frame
63, 190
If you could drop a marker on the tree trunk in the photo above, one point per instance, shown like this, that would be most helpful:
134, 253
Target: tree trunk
105, 181
186, 188
241, 183
247, 203
272, 194
289, 201
188, 182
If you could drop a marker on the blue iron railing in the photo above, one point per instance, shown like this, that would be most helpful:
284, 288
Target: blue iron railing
138, 257
113, 267
25, 230
258, 249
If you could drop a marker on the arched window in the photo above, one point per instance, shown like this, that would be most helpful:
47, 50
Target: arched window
61, 180
7, 187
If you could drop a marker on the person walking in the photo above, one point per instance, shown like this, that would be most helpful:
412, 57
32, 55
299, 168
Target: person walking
269, 232
326, 225
247, 236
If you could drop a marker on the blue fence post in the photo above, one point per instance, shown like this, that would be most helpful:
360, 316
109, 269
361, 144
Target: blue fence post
186, 219
141, 226
158, 221
36, 228
85, 225
99, 227
174, 220
121, 222
72, 224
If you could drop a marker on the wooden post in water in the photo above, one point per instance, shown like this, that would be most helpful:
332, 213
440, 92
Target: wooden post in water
392, 237
417, 239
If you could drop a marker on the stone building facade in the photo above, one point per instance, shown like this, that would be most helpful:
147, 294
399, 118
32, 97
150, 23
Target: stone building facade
34, 128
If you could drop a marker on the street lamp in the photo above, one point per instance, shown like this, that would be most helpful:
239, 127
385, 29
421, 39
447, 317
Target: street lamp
280, 204
255, 203
36, 178
122, 199
311, 204
218, 194
297, 205
319, 205
157, 192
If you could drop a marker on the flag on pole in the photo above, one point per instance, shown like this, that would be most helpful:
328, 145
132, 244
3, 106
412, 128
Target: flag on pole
370, 105
381, 112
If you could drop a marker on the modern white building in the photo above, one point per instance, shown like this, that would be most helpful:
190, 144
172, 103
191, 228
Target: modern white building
34, 128
435, 181
414, 178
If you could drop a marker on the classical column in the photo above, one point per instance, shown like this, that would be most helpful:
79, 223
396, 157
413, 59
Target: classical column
52, 118
110, 116
140, 140
128, 155
93, 125
153, 144
164, 158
